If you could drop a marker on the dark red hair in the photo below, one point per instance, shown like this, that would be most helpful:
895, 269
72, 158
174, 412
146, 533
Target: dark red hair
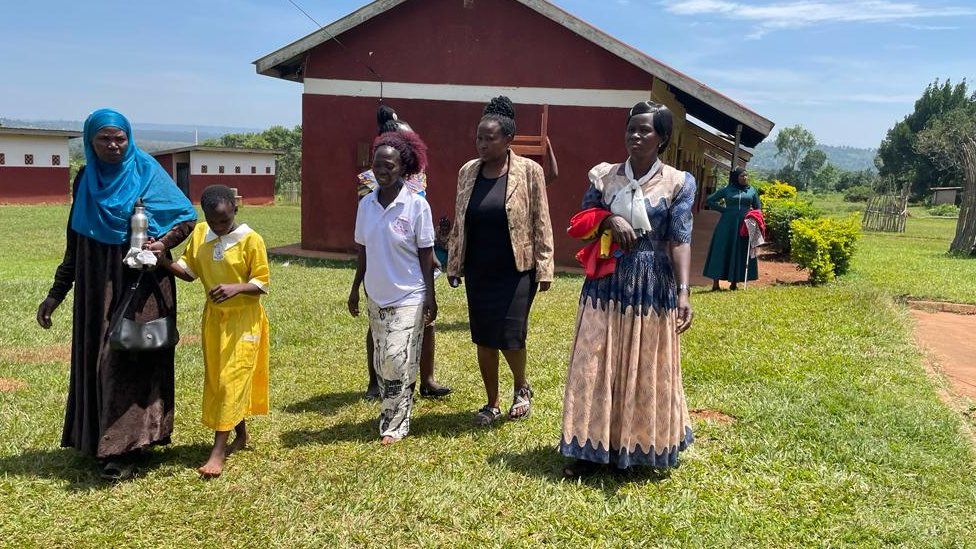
412, 149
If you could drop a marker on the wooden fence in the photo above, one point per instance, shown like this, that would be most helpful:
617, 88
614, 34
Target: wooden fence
887, 213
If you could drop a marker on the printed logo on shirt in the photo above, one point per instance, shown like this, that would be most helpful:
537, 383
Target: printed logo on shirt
250, 337
401, 226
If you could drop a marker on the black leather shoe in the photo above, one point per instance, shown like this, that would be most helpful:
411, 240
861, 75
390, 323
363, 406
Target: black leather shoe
435, 392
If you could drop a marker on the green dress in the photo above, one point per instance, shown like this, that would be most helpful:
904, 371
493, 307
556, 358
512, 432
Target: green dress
728, 251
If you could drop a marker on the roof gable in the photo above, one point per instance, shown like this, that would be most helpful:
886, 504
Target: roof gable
703, 102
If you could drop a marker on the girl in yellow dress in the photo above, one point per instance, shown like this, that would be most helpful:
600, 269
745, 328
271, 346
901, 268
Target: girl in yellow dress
232, 262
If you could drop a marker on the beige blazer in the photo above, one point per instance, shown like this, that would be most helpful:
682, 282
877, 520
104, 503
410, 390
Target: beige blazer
528, 217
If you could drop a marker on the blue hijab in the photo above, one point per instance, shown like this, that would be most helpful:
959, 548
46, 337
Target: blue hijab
107, 193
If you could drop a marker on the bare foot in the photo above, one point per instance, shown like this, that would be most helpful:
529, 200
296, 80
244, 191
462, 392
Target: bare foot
388, 440
212, 468
240, 443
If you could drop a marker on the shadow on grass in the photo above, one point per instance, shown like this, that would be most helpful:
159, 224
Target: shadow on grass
545, 462
327, 404
421, 426
455, 326
81, 472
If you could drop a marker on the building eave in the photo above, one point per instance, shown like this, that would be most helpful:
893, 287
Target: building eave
205, 148
39, 132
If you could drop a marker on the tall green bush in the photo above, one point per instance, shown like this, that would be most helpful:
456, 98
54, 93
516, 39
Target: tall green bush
858, 193
825, 246
779, 213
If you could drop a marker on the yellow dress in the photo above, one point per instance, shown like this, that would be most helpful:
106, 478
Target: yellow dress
235, 333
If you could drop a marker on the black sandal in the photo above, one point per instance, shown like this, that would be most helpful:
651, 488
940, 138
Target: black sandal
521, 400
581, 468
487, 415
117, 471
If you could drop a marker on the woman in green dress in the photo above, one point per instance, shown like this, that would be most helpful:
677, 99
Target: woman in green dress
728, 252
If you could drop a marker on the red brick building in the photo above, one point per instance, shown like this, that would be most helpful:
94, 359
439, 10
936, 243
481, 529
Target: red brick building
250, 171
441, 60
34, 165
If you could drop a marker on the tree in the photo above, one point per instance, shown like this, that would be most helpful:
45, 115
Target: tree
809, 166
825, 178
949, 141
900, 163
794, 143
862, 178
289, 141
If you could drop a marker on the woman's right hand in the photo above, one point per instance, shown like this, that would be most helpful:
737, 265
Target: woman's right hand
45, 310
623, 233
353, 302
454, 281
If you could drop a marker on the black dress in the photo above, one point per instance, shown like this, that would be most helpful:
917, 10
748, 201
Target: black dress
499, 296
117, 401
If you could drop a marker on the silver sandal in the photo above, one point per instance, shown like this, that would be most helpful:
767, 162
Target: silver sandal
521, 400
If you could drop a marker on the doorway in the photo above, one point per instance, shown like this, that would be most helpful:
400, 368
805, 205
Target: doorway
183, 177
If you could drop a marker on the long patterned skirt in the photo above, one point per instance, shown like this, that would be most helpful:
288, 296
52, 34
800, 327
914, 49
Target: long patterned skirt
624, 402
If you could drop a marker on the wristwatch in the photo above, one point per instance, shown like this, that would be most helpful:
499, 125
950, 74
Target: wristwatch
683, 287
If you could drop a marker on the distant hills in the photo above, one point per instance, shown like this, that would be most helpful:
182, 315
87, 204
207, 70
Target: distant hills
845, 158
150, 137
155, 137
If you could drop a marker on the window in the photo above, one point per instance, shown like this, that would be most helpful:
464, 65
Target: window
203, 168
55, 159
3, 159
267, 169
237, 169
254, 169
28, 160
220, 169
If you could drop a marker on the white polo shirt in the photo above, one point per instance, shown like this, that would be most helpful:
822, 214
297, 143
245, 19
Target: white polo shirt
392, 237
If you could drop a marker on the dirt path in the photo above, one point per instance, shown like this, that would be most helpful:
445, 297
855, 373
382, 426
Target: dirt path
948, 339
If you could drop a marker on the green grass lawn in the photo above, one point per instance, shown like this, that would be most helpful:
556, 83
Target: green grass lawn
838, 439
915, 263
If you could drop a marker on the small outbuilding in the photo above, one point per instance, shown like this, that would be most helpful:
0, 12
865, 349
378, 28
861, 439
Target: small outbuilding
250, 171
34, 165
437, 62
945, 195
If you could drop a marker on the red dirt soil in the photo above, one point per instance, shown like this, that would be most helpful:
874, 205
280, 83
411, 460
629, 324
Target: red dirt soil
948, 340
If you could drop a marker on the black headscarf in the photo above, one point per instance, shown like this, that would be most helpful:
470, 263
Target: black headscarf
734, 177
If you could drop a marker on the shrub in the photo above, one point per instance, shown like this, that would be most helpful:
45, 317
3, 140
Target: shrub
944, 210
858, 193
776, 189
825, 246
761, 186
779, 213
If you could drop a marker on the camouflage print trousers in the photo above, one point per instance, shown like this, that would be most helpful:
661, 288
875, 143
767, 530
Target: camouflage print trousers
397, 335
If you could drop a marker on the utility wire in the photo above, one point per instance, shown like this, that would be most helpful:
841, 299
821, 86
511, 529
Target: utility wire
337, 41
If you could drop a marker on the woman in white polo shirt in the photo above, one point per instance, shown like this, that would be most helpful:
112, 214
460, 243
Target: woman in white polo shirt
395, 231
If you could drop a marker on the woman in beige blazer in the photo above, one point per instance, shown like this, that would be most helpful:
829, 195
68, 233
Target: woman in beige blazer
501, 244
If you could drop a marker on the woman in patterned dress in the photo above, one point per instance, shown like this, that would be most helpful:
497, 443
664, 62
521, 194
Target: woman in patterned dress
624, 403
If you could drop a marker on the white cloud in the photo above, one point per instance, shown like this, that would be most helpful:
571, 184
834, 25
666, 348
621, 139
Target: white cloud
928, 27
804, 13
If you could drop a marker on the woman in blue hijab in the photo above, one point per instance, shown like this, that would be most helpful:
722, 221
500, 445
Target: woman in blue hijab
119, 402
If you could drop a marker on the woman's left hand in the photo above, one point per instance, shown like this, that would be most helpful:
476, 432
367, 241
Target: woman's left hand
685, 313
544, 286
223, 292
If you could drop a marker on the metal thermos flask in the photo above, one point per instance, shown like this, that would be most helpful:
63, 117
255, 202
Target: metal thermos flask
138, 224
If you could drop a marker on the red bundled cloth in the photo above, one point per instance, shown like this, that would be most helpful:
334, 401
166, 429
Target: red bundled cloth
597, 257
760, 222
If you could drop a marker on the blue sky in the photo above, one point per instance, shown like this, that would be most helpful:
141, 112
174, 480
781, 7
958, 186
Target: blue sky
847, 70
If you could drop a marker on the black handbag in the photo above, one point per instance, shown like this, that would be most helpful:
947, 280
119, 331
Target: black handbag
131, 335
